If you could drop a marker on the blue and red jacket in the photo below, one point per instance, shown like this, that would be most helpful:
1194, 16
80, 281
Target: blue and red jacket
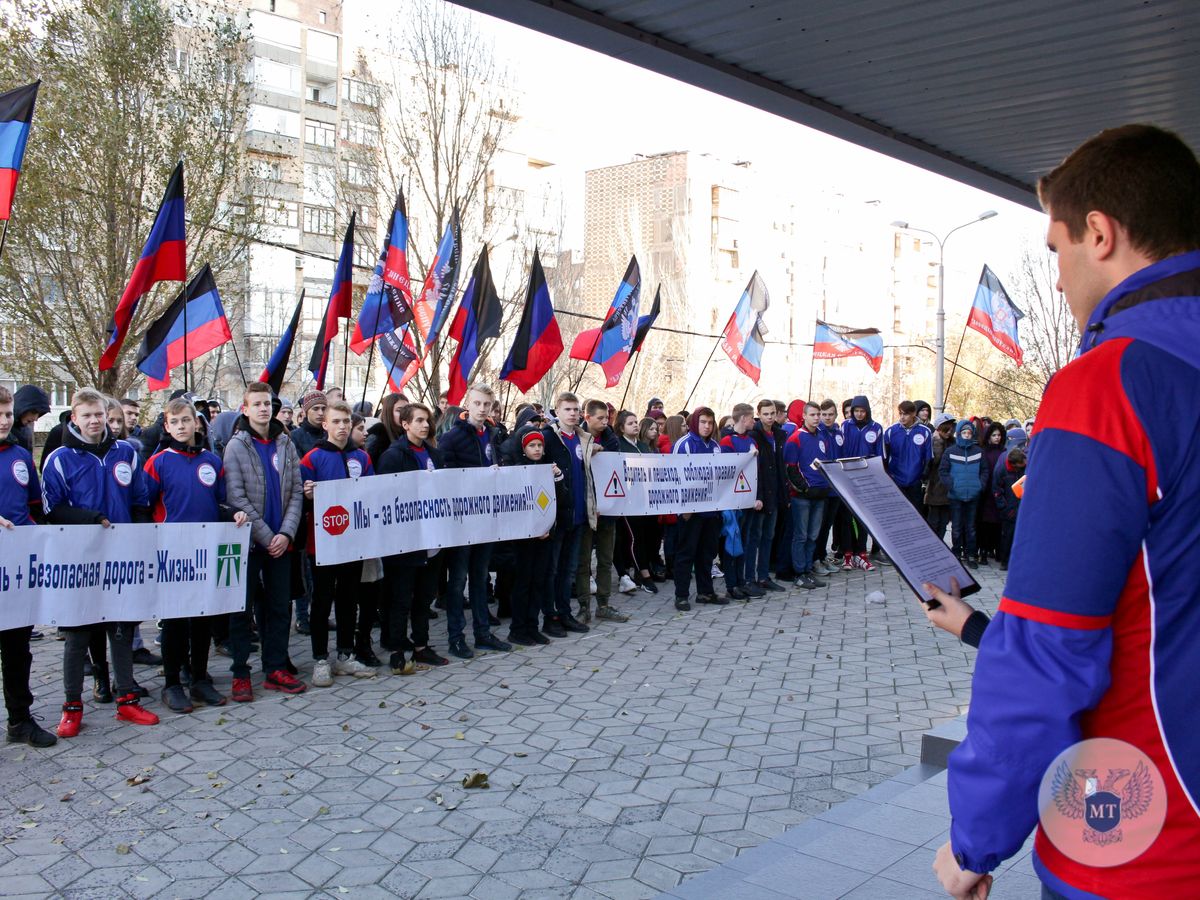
186, 484
20, 490
325, 462
691, 443
907, 452
861, 439
803, 449
1108, 646
83, 483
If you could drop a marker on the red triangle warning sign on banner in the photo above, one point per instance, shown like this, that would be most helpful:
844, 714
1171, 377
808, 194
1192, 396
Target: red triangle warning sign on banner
741, 486
615, 488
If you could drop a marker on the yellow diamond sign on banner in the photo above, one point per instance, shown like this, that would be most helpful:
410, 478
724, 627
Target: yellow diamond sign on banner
542, 500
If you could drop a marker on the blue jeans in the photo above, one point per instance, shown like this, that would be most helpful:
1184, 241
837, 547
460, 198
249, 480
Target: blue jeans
564, 561
962, 527
758, 533
469, 570
806, 522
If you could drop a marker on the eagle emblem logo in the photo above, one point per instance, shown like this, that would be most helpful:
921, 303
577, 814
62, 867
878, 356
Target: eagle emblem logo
1102, 805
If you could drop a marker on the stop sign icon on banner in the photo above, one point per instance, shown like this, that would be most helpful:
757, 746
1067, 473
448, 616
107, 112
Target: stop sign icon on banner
336, 520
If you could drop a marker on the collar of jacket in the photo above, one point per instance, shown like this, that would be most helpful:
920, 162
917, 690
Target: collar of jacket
1125, 295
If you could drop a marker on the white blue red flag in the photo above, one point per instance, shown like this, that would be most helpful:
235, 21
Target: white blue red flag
837, 341
994, 315
742, 339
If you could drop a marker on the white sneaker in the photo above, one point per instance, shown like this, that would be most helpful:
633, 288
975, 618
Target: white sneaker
348, 665
591, 585
716, 571
627, 585
321, 676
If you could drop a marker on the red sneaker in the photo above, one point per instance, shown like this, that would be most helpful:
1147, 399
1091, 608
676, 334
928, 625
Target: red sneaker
242, 691
72, 720
848, 562
283, 681
130, 710
863, 562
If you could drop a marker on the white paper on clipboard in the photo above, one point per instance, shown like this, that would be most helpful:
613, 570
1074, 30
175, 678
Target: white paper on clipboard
909, 542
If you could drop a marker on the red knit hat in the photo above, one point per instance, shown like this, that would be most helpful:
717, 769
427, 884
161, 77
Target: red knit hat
534, 435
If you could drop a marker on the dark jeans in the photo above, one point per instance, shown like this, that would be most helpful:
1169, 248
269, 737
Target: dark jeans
832, 505
806, 524
535, 582
852, 533
697, 540
185, 641
913, 494
564, 560
275, 614
938, 518
16, 661
75, 651
1007, 529
336, 588
989, 539
757, 535
367, 612
962, 527
410, 591
468, 578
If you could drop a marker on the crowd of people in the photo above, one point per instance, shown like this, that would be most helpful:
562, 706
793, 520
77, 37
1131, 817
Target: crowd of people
258, 465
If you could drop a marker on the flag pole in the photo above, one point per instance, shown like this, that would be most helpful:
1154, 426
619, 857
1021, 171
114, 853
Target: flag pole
637, 354
186, 362
687, 403
387, 382
3, 237
346, 358
367, 374
812, 362
954, 365
238, 357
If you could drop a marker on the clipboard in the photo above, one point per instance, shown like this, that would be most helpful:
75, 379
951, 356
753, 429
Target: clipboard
918, 554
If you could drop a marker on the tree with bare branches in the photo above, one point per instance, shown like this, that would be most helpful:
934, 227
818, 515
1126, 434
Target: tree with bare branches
1048, 332
128, 89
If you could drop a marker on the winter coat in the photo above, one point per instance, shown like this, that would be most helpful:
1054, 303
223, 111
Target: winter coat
864, 438
772, 486
1007, 503
461, 448
991, 456
246, 483
559, 454
28, 398
306, 436
399, 457
961, 467
937, 492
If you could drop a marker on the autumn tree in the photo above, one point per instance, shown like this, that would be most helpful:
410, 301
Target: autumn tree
129, 87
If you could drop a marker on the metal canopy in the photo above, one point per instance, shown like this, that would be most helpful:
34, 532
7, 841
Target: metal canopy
990, 94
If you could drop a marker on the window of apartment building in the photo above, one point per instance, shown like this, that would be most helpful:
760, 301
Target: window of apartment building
365, 215
318, 220
177, 59
360, 92
321, 17
320, 134
282, 213
365, 254
322, 47
358, 174
60, 393
266, 169
276, 76
273, 121
321, 92
360, 133
319, 186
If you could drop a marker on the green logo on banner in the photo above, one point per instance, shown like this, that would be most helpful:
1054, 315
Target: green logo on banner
229, 565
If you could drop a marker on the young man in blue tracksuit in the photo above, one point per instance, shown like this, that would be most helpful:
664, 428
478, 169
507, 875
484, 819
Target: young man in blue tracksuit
963, 472
861, 436
468, 445
697, 534
808, 488
93, 479
907, 450
20, 503
564, 441
333, 586
740, 440
186, 483
412, 577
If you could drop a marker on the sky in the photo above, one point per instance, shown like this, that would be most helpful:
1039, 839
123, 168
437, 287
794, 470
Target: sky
605, 110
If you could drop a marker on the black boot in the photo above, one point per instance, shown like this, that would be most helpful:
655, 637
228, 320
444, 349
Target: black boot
101, 688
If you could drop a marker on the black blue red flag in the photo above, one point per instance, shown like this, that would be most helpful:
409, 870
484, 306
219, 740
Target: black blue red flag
836, 341
478, 317
276, 369
193, 324
538, 343
341, 294
646, 322
400, 358
433, 306
612, 343
994, 315
16, 115
164, 258
742, 339
389, 301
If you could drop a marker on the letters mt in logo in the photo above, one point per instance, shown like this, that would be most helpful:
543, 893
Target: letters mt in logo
1081, 794
229, 565
336, 520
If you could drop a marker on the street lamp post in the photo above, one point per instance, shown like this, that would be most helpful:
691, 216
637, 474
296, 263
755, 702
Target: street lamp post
940, 400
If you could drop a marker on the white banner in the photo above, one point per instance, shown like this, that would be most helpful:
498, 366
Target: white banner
381, 515
82, 574
652, 484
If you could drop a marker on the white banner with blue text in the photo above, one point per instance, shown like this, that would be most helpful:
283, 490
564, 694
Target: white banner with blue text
651, 484
382, 515
85, 574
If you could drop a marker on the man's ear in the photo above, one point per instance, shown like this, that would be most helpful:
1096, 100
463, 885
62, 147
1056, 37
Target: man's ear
1101, 234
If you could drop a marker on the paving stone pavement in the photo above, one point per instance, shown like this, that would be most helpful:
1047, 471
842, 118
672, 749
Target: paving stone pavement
621, 762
